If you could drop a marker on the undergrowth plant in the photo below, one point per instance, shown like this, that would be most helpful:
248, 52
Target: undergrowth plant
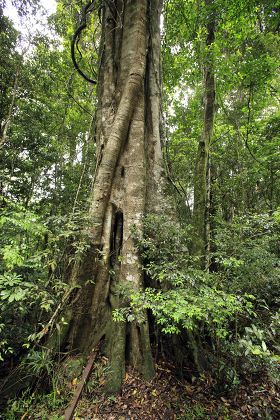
35, 255
184, 298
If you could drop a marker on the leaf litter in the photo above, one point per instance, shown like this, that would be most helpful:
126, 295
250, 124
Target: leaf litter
167, 397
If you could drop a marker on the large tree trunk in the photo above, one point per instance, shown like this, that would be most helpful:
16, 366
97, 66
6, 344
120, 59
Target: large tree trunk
202, 168
128, 183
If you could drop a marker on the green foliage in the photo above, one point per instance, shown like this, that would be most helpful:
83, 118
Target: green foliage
243, 153
23, 277
46, 166
31, 280
46, 171
247, 250
255, 351
218, 306
39, 362
40, 406
9, 62
253, 342
47, 157
183, 297
63, 379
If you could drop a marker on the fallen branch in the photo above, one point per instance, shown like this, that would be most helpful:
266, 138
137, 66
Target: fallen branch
68, 415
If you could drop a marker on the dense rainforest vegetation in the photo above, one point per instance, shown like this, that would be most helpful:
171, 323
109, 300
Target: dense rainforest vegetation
140, 209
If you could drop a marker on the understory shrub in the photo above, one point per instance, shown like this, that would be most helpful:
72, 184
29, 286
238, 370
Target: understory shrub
34, 258
235, 328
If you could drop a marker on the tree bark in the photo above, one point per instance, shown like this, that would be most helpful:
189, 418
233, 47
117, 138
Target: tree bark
202, 168
5, 125
128, 183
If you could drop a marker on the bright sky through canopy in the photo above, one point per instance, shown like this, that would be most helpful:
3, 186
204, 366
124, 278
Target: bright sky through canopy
49, 6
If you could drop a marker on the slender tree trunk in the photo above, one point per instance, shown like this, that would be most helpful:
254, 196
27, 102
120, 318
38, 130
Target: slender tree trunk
5, 125
202, 168
128, 183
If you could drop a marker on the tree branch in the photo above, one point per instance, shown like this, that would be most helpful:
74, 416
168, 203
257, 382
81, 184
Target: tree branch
87, 9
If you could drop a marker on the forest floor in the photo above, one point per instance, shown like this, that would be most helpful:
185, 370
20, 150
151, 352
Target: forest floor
167, 397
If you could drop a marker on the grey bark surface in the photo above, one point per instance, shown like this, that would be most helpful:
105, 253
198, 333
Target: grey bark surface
128, 183
202, 168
